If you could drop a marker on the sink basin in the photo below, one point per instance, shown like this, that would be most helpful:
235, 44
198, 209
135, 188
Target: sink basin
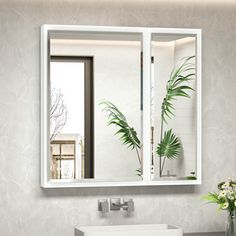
129, 230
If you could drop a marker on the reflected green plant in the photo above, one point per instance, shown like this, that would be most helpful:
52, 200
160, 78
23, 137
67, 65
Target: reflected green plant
127, 133
170, 145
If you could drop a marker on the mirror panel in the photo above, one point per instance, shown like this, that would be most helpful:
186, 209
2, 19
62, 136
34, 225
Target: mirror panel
174, 94
95, 106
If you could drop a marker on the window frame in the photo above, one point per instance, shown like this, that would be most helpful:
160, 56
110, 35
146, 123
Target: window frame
60, 143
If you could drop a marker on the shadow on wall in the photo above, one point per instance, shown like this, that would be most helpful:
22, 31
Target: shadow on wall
110, 191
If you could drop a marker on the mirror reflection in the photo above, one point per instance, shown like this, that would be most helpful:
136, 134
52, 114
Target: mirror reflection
173, 107
95, 106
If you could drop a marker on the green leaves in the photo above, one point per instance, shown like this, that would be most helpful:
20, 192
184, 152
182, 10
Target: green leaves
128, 135
211, 198
170, 146
224, 203
176, 86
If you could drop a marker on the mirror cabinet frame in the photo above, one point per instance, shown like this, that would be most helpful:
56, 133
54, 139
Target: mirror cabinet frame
146, 122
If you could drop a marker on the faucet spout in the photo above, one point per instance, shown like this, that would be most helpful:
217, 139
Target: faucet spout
126, 204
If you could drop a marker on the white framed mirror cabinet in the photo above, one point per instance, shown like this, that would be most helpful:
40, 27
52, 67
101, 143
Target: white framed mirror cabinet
120, 106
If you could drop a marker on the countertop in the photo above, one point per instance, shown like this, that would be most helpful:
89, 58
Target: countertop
206, 234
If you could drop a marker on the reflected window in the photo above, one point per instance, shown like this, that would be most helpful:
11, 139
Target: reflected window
63, 159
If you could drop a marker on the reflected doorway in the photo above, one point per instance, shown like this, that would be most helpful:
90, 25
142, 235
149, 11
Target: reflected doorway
71, 117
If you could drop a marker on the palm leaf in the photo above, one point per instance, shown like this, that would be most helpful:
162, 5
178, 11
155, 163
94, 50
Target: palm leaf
128, 135
170, 146
176, 86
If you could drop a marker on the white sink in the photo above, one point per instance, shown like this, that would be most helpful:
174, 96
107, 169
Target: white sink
129, 230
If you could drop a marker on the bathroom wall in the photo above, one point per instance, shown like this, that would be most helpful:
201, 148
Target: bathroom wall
25, 208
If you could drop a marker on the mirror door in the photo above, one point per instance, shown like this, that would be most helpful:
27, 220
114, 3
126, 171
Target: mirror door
175, 106
94, 98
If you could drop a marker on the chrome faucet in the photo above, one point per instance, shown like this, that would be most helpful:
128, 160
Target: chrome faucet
126, 204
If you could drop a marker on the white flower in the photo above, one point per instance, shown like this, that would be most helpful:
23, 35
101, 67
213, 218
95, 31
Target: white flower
231, 197
222, 193
225, 205
225, 185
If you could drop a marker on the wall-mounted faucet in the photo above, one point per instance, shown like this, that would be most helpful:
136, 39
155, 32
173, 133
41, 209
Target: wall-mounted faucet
115, 205
126, 204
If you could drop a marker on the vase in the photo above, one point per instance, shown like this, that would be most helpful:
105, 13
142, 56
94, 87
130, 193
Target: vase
231, 224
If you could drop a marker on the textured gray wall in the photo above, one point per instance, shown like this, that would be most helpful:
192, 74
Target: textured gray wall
28, 210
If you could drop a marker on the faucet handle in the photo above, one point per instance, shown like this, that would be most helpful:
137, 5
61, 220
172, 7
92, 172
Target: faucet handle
103, 205
115, 204
129, 205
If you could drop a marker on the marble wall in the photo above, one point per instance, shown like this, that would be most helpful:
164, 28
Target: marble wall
28, 210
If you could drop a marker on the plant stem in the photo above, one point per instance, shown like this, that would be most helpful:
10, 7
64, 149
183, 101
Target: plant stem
139, 159
162, 167
160, 162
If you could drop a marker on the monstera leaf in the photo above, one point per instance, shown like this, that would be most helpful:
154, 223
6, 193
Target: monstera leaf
170, 146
